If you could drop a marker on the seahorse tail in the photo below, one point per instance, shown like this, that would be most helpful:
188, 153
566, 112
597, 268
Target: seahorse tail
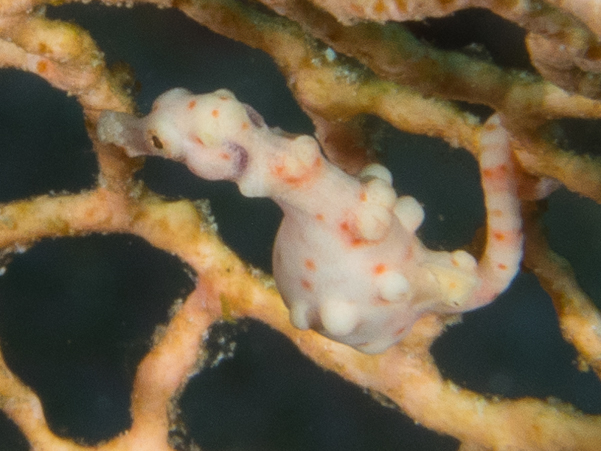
503, 252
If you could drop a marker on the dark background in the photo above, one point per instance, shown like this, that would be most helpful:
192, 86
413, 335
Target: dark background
77, 314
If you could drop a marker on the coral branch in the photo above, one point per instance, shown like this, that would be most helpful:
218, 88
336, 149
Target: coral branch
579, 319
25, 409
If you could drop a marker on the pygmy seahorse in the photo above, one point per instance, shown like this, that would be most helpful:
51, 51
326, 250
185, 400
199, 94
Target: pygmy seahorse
346, 258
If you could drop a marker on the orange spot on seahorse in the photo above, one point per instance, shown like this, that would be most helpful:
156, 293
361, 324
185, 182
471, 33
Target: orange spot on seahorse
496, 173
225, 156
280, 170
507, 238
502, 266
380, 269
496, 179
310, 264
351, 235
399, 332
319, 217
197, 140
191, 104
306, 285
215, 113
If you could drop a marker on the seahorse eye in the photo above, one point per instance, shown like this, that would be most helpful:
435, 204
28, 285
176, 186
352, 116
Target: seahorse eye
156, 142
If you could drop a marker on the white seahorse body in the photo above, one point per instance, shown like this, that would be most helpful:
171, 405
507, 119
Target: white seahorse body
346, 258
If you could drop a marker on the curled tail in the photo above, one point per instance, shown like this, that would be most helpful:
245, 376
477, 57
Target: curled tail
503, 252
